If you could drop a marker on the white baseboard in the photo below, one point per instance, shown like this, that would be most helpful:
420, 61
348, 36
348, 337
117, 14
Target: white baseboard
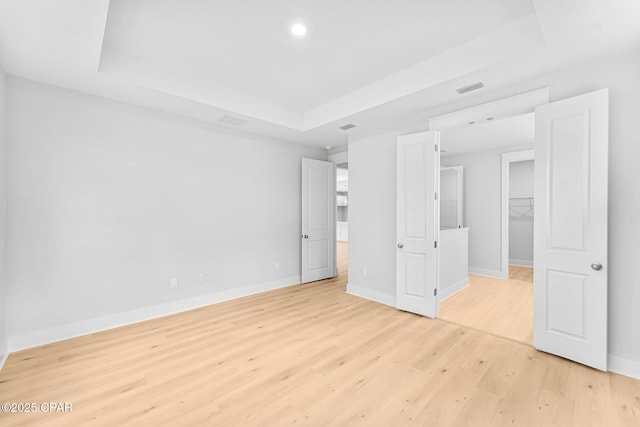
521, 262
624, 366
452, 289
371, 295
3, 360
76, 329
488, 273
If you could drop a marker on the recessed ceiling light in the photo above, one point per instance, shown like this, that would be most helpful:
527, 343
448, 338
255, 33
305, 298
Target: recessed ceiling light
472, 123
298, 29
489, 118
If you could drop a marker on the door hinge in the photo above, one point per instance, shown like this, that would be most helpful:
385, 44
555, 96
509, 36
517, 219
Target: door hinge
435, 244
435, 292
435, 147
435, 196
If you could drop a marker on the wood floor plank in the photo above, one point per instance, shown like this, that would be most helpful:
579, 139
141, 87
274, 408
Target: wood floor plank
521, 273
309, 355
496, 306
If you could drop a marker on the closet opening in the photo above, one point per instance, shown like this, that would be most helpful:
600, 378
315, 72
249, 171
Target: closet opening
486, 226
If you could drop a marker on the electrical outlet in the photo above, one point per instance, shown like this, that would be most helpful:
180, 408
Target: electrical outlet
276, 266
202, 278
173, 282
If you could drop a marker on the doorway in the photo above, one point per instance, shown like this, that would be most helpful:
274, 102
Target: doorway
518, 206
571, 175
342, 217
340, 158
498, 211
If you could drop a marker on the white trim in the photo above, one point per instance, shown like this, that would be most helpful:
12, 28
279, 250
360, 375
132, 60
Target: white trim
379, 297
496, 274
507, 159
453, 289
623, 366
338, 158
511, 106
3, 360
76, 329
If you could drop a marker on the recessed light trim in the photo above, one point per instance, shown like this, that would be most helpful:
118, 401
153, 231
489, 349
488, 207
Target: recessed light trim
298, 29
347, 126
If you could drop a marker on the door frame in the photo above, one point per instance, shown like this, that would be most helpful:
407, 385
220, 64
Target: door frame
507, 159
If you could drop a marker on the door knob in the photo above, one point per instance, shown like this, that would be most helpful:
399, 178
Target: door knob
400, 245
305, 236
596, 266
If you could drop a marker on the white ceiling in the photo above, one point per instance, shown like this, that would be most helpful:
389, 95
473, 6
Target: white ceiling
378, 64
247, 46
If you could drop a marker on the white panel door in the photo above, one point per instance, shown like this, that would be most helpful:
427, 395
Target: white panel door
318, 220
418, 218
570, 258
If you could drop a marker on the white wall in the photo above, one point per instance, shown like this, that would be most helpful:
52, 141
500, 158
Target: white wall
3, 218
521, 186
108, 201
372, 208
372, 223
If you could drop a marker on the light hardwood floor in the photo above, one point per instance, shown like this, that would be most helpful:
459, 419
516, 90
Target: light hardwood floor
342, 255
496, 306
519, 272
309, 355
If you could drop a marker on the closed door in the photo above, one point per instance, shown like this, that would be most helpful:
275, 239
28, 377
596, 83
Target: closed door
318, 220
570, 288
418, 217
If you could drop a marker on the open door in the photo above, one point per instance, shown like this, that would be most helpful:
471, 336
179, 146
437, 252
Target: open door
570, 276
318, 220
418, 223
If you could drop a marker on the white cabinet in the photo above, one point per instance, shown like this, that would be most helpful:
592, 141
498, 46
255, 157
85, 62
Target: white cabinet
342, 231
454, 261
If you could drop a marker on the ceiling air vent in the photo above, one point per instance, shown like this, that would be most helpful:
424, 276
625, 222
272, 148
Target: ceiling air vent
233, 121
347, 127
469, 88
